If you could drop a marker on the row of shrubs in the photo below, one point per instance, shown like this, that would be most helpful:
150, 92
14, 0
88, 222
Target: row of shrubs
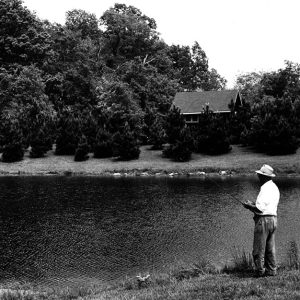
170, 134
271, 126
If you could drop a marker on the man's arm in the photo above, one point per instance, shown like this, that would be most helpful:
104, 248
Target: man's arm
251, 206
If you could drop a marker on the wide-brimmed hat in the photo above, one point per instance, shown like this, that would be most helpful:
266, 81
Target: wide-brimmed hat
266, 170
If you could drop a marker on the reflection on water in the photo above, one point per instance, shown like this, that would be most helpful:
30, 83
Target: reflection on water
69, 229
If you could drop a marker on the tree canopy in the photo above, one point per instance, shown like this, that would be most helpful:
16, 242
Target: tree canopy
107, 84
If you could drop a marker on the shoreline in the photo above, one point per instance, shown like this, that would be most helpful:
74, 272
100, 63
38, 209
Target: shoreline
239, 162
138, 174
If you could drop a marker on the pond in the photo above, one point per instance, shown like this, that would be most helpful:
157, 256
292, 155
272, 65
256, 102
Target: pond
94, 229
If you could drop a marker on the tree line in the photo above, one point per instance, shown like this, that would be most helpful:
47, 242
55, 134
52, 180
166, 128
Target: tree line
106, 86
90, 85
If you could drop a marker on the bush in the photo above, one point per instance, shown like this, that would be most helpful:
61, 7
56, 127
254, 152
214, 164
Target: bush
273, 127
40, 145
12, 152
66, 145
67, 131
103, 144
238, 121
181, 150
174, 124
210, 136
157, 135
82, 150
39, 150
125, 144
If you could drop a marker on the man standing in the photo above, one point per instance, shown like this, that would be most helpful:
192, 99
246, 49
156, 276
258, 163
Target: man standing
265, 218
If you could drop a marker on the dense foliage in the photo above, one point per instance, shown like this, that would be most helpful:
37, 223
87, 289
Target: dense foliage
179, 138
211, 134
91, 77
273, 127
106, 86
272, 121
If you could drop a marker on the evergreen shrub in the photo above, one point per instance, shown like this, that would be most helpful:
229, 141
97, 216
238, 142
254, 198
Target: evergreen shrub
12, 152
39, 146
211, 134
273, 127
103, 144
82, 151
125, 144
181, 149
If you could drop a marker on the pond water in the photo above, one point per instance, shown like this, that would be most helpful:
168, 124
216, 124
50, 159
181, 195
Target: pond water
78, 229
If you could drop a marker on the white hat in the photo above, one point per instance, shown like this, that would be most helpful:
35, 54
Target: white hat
266, 170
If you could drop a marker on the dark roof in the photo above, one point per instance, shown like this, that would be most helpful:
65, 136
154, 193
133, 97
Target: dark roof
194, 102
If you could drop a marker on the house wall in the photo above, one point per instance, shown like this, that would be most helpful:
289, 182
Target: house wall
194, 118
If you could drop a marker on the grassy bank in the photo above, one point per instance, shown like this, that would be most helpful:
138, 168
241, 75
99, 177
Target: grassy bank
198, 282
240, 160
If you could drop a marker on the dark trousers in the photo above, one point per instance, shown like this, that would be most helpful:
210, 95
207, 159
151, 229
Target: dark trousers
264, 244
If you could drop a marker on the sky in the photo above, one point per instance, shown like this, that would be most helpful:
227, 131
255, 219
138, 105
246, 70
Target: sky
238, 36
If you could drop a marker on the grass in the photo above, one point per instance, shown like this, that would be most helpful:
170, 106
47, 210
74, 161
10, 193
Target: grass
240, 160
199, 281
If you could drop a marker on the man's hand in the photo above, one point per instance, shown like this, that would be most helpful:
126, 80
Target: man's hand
249, 204
252, 207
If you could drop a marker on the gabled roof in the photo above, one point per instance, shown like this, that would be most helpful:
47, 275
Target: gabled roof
194, 102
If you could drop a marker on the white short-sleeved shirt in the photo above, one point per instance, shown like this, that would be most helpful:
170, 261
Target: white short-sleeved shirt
268, 199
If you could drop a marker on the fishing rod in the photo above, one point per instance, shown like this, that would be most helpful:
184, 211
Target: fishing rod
217, 184
253, 208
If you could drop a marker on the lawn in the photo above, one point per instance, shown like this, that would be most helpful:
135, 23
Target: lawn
240, 160
286, 285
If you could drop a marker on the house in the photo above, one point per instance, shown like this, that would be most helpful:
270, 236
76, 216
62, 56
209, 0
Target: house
192, 104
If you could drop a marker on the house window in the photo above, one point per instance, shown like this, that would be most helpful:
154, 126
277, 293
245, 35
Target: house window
188, 118
195, 119
191, 119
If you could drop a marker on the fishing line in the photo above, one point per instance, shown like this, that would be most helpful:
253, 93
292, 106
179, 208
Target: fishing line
217, 184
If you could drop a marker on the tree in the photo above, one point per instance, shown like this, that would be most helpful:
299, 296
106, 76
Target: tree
192, 69
103, 144
127, 33
199, 67
214, 81
249, 86
181, 150
81, 153
273, 127
124, 119
282, 83
211, 135
174, 124
238, 122
26, 106
118, 105
85, 23
40, 144
68, 131
73, 70
151, 89
178, 136
125, 144
157, 134
11, 136
23, 38
182, 64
